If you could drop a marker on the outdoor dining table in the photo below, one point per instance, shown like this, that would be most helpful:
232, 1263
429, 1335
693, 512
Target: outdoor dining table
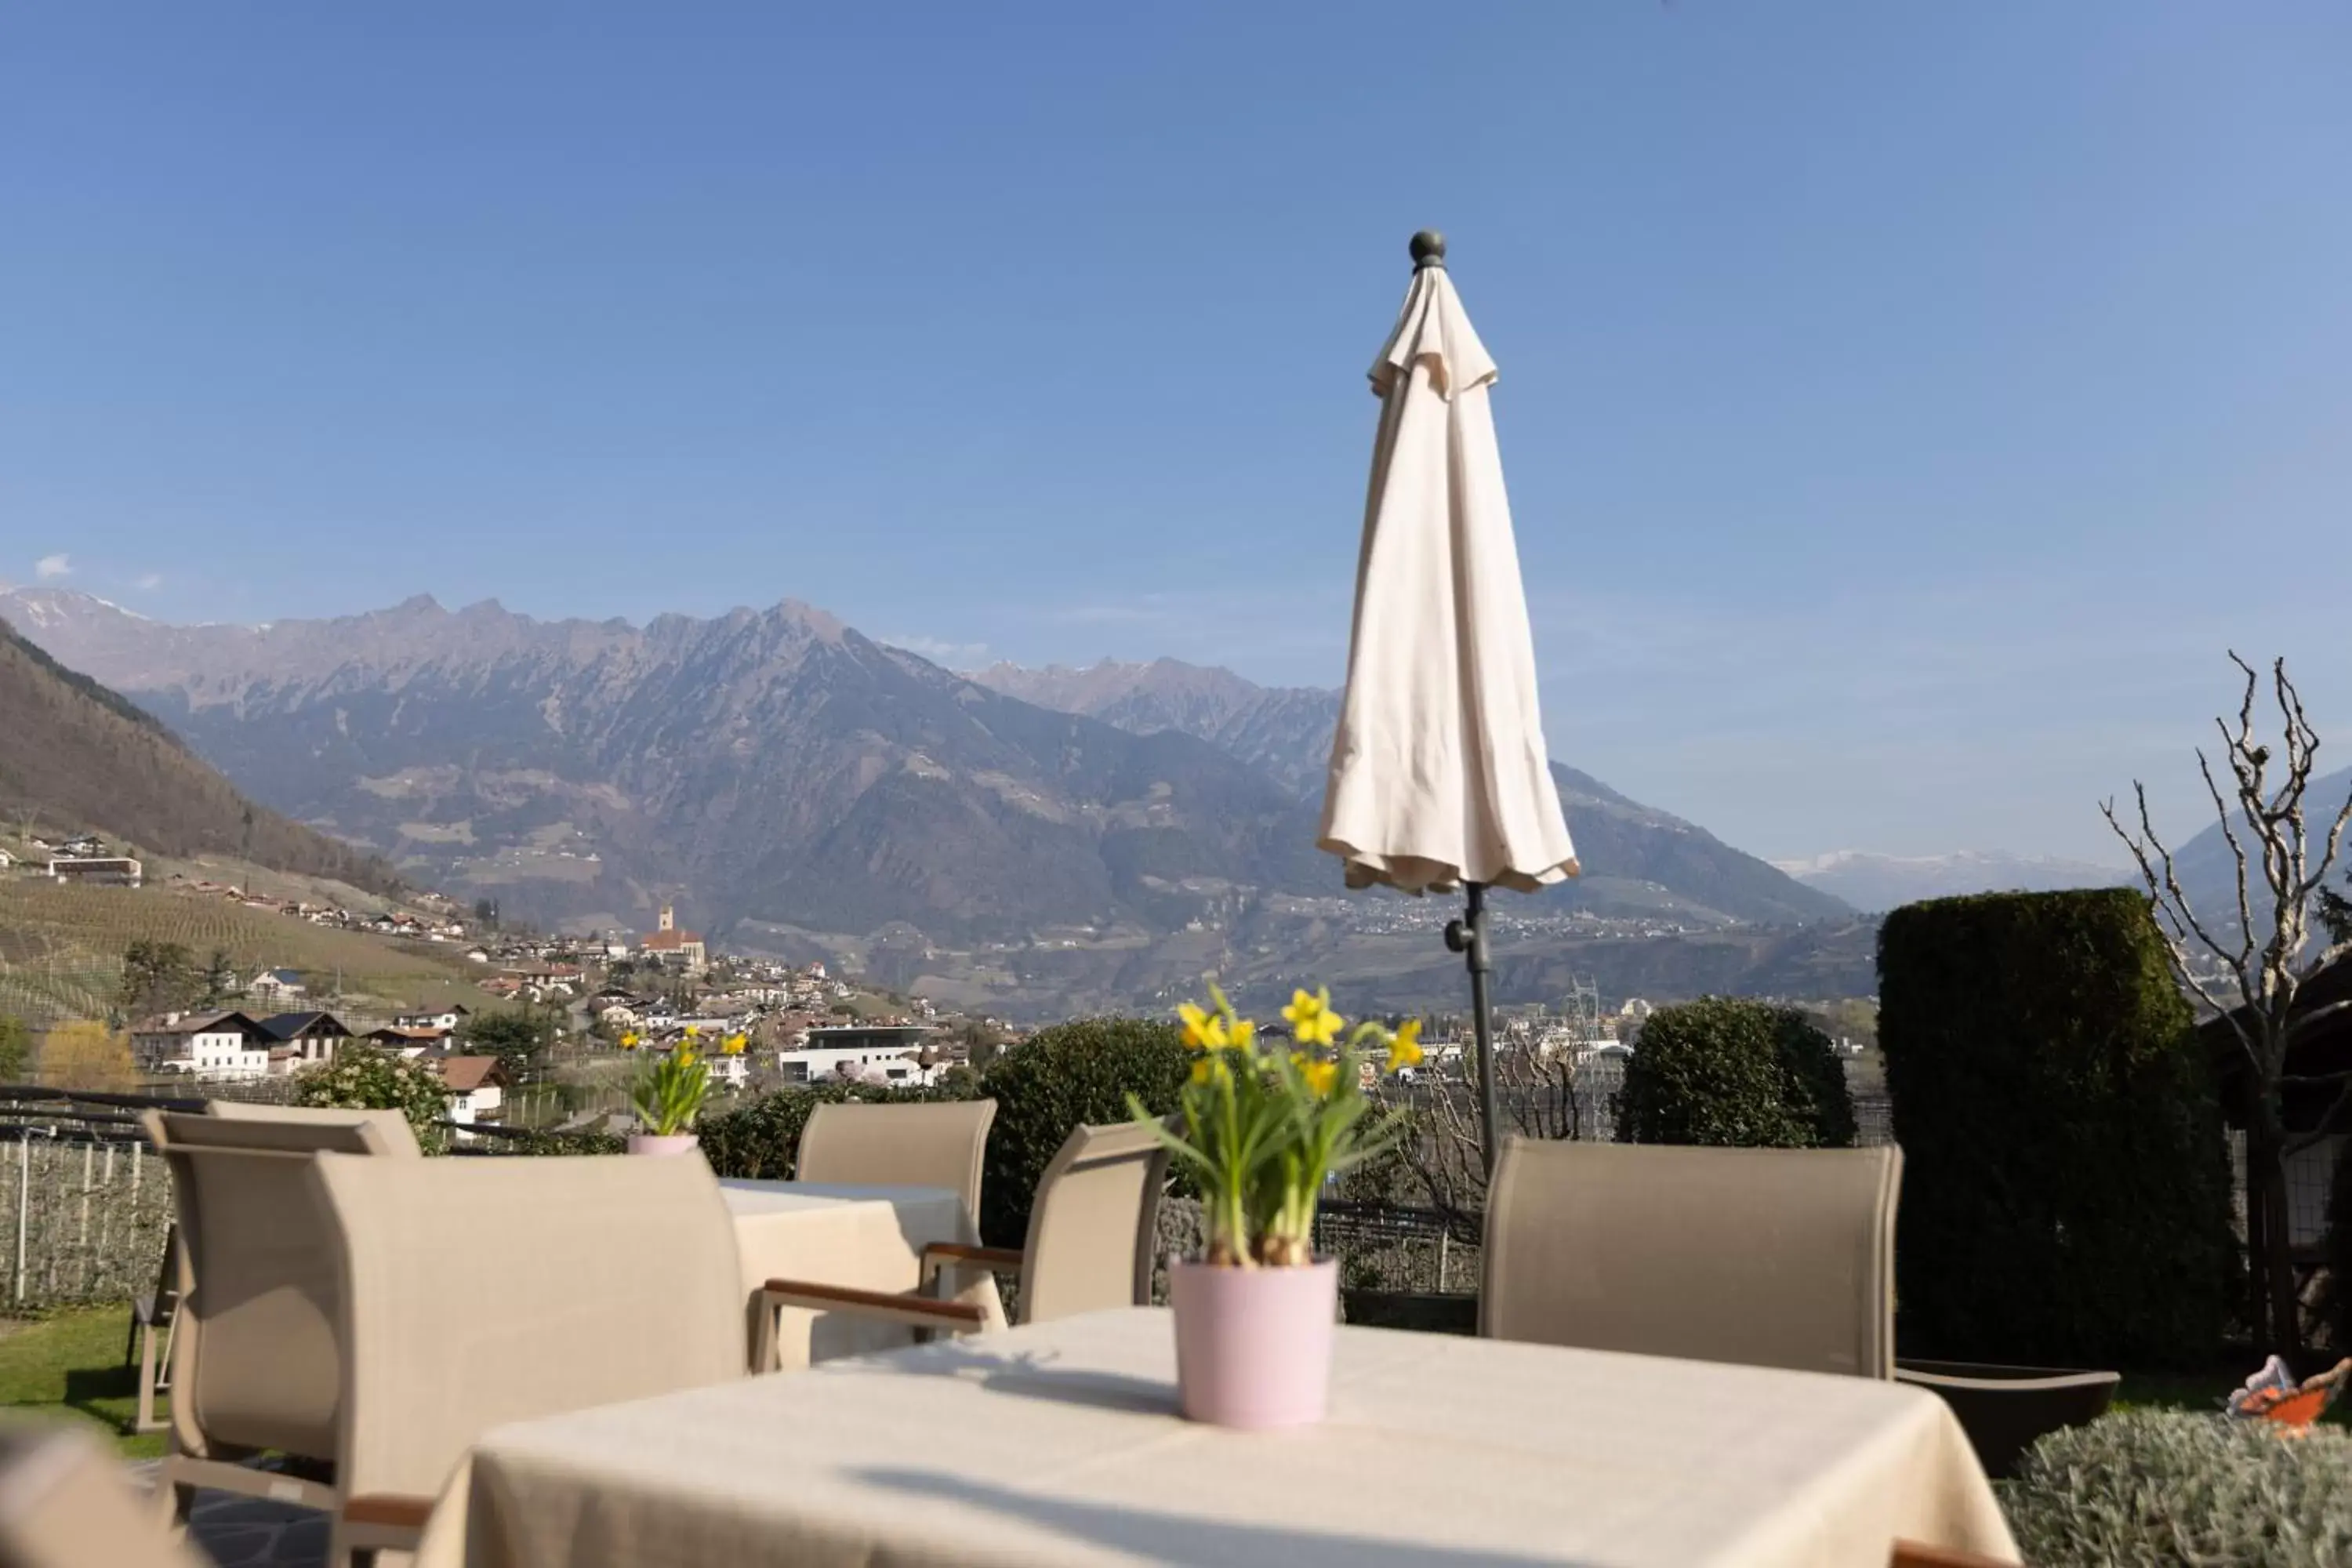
1061, 1444
871, 1238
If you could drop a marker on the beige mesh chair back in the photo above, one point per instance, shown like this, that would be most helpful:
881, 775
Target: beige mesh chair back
254, 1365
476, 1292
1766, 1256
399, 1136
1091, 1226
913, 1145
65, 1502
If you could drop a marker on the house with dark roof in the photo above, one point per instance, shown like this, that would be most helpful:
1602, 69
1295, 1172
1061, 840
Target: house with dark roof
304, 1038
202, 1044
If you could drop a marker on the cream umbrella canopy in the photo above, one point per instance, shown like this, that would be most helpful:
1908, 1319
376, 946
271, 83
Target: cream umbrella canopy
1440, 778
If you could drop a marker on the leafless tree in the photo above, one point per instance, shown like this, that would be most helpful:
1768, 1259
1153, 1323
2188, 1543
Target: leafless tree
1445, 1153
2251, 973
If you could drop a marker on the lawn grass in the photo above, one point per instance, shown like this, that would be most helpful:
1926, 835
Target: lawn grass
71, 1365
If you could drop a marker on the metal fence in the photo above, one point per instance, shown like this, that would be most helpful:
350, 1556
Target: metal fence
84, 1202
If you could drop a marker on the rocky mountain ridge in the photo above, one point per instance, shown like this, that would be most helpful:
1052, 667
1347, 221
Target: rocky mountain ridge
788, 781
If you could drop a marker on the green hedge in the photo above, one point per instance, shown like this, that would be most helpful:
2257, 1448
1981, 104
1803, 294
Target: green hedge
2065, 1195
1724, 1071
1069, 1076
2161, 1486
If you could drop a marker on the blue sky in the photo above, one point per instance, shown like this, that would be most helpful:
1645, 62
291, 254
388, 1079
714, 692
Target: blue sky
1904, 407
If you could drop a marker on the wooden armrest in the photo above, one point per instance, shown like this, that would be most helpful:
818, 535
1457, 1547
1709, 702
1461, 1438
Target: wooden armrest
1919, 1554
390, 1510
921, 1310
1009, 1258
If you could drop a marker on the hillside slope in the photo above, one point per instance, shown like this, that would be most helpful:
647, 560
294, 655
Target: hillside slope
76, 754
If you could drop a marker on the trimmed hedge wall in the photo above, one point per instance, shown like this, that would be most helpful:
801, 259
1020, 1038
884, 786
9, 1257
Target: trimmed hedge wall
1069, 1076
2065, 1193
1729, 1072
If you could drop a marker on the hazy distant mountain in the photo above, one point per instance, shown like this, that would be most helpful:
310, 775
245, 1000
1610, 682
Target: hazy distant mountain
776, 766
1286, 731
1636, 858
76, 756
788, 781
2208, 871
1883, 882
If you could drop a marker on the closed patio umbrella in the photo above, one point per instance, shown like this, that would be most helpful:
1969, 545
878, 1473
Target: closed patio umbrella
1439, 774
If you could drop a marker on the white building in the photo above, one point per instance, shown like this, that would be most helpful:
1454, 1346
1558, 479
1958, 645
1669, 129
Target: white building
869, 1064
202, 1045
477, 1087
275, 986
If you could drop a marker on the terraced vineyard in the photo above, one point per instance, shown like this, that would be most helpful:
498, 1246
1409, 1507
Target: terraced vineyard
61, 949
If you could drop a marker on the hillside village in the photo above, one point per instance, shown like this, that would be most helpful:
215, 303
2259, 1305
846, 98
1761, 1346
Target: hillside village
590, 1002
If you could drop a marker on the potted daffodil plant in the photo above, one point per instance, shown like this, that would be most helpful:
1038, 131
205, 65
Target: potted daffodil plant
1262, 1123
669, 1092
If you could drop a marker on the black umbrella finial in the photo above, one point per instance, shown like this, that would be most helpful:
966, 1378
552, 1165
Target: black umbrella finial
1428, 249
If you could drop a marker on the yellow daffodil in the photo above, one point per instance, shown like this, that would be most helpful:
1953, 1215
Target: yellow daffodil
692, 1030
1203, 1031
684, 1055
629, 1042
1241, 1032
733, 1045
1321, 1077
1311, 1020
1404, 1046
1210, 1067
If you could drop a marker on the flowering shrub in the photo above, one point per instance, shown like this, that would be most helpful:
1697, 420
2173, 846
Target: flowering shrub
1262, 1128
2165, 1486
361, 1077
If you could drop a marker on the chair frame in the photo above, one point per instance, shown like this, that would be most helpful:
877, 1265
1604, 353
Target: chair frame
191, 1459
1877, 1352
981, 1115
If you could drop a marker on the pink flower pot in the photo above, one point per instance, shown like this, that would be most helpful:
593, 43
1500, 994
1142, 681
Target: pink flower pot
1253, 1345
662, 1143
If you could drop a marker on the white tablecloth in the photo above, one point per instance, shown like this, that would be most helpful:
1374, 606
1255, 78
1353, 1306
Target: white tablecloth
1060, 1445
868, 1237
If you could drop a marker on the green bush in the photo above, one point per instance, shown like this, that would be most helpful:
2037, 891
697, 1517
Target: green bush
2065, 1194
1724, 1071
762, 1140
1072, 1075
361, 1077
2163, 1487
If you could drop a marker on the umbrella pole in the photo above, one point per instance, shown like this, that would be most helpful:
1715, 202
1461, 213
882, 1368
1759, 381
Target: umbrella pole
1467, 936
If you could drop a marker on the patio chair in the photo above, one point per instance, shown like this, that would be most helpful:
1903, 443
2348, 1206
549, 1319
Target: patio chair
399, 1136
937, 1145
65, 1502
1766, 1256
477, 1293
254, 1366
154, 1318
1089, 1247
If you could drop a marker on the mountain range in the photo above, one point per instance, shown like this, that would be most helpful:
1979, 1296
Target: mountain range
793, 784
78, 758
1883, 882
